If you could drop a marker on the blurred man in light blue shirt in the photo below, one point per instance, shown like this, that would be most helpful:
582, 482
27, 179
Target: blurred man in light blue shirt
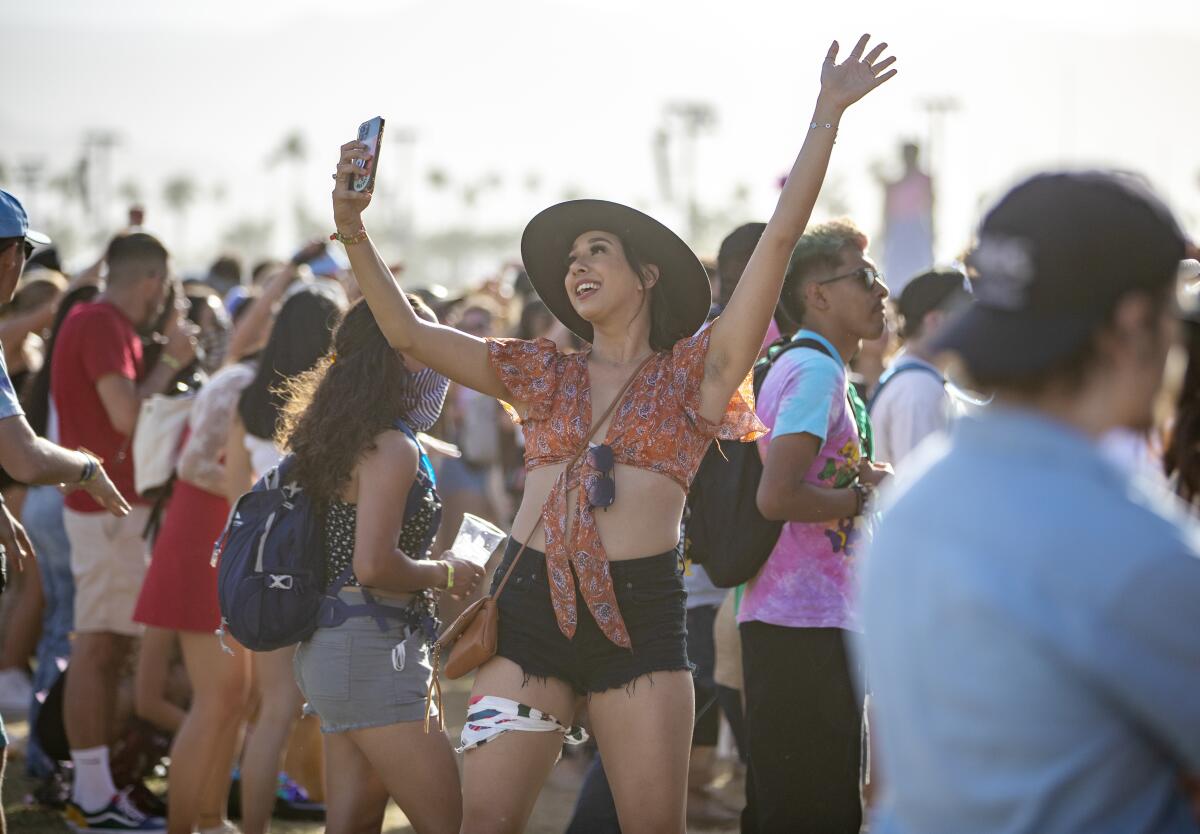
1032, 612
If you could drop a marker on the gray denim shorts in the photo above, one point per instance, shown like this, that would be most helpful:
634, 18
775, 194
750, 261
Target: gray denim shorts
349, 674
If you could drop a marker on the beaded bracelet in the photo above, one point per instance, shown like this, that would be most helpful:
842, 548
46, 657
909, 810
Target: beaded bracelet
346, 240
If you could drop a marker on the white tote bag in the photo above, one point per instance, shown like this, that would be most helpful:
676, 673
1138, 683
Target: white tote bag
160, 427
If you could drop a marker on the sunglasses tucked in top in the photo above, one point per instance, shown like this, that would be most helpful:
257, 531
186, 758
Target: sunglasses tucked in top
601, 490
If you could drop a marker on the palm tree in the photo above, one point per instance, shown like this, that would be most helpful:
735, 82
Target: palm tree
250, 237
130, 192
179, 192
293, 152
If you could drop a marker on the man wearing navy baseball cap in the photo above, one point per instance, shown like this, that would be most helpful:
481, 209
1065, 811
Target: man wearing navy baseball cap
25, 456
1030, 608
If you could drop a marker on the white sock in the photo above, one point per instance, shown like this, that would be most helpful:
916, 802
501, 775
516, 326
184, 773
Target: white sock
93, 787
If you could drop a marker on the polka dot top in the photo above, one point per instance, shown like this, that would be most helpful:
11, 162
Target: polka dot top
422, 517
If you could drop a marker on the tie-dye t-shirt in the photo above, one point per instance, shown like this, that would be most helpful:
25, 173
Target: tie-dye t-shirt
808, 580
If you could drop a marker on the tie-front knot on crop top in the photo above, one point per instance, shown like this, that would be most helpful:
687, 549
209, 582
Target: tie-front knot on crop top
657, 426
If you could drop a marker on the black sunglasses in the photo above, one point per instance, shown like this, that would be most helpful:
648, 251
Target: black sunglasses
601, 491
869, 275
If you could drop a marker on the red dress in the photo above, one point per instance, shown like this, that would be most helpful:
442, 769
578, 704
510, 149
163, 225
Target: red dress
180, 590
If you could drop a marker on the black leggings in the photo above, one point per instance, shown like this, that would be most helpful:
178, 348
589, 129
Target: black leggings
804, 731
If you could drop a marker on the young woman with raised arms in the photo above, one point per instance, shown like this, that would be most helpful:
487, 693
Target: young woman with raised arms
589, 610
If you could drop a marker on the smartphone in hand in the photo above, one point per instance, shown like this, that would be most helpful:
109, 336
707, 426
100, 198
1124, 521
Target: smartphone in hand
370, 132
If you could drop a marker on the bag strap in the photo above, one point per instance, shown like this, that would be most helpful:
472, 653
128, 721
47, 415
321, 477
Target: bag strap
895, 371
591, 433
858, 409
777, 349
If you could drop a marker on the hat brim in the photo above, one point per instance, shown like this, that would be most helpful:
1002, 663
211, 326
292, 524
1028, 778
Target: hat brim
1001, 343
548, 239
37, 238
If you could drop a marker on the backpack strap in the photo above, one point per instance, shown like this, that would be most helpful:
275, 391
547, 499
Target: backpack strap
859, 409
777, 349
378, 611
862, 422
425, 463
895, 371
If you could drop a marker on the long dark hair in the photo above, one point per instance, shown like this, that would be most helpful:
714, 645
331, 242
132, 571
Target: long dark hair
301, 335
36, 397
1182, 455
662, 335
335, 411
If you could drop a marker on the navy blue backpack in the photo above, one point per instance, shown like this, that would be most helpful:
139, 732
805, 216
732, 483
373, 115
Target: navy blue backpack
271, 574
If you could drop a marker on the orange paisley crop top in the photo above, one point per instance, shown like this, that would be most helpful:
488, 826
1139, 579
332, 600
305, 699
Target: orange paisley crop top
657, 427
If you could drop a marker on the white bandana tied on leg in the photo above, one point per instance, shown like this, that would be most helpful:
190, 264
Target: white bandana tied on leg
489, 717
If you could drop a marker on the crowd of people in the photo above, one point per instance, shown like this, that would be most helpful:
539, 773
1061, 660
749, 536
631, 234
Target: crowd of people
938, 596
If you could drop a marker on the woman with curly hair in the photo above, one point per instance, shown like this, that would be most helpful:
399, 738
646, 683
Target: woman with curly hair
300, 336
366, 670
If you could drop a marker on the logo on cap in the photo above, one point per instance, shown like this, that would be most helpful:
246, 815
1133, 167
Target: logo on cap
1005, 266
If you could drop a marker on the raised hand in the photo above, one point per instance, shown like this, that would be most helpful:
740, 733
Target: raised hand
845, 83
348, 204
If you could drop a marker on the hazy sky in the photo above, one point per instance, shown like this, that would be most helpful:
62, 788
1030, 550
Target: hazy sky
565, 96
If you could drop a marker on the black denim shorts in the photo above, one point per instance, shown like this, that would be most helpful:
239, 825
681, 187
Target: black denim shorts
652, 600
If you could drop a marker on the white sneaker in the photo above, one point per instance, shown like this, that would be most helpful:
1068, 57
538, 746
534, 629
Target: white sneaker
226, 827
16, 692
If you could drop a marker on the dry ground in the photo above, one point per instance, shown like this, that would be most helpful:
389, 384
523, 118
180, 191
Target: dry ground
550, 816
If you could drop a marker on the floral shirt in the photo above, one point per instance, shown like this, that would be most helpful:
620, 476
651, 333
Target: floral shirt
657, 427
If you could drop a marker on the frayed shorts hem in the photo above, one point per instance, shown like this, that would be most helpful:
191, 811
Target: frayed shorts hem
418, 711
629, 682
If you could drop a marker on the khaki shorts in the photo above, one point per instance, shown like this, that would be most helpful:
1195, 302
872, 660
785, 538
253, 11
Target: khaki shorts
728, 671
109, 558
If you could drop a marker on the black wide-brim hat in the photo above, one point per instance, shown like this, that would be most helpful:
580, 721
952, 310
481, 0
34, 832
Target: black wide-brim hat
548, 239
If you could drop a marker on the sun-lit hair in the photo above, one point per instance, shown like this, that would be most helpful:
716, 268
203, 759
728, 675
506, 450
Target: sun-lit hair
333, 412
819, 248
129, 251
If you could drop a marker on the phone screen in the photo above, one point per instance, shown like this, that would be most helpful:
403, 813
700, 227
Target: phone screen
370, 132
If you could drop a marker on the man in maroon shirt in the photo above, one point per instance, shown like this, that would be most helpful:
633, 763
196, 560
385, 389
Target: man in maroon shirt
97, 385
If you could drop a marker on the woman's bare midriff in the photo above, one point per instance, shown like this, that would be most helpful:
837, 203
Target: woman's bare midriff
643, 521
